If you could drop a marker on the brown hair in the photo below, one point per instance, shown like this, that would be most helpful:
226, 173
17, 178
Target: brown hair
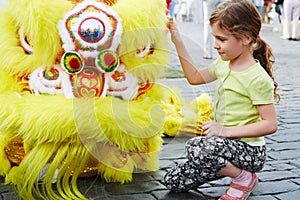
241, 17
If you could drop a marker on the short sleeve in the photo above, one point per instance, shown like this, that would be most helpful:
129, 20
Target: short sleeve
261, 90
212, 69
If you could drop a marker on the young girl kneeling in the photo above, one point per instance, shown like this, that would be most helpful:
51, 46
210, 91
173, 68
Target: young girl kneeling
244, 112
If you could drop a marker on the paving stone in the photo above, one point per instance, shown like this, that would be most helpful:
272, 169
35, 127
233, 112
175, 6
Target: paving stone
276, 175
9, 196
276, 187
158, 176
285, 146
285, 137
133, 187
296, 171
191, 195
125, 197
293, 195
165, 164
213, 192
221, 182
265, 197
284, 155
141, 177
279, 165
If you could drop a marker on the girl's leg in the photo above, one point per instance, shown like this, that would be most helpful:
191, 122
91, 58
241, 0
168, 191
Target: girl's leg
201, 167
186, 176
215, 152
242, 178
207, 156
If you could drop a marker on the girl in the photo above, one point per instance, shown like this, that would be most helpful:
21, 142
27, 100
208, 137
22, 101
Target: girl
244, 112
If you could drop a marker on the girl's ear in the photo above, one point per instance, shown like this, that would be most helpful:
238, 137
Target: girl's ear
246, 40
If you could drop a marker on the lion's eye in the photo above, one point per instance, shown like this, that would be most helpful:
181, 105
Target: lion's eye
145, 50
92, 30
25, 41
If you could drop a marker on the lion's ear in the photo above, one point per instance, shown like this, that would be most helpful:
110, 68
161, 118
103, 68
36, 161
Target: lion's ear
137, 14
29, 33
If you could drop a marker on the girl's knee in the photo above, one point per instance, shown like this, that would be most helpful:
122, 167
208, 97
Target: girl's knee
204, 144
203, 149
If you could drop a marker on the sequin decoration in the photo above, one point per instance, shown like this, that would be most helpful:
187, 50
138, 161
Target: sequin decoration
118, 76
107, 60
51, 74
14, 150
71, 62
88, 83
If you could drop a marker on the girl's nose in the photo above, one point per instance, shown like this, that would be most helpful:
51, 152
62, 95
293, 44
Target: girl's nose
216, 45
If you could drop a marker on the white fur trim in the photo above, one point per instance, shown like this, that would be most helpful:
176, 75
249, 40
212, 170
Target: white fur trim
40, 85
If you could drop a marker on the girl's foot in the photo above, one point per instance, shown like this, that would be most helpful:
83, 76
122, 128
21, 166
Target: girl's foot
240, 191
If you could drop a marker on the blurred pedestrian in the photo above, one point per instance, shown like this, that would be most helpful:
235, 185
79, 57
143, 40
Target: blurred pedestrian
168, 5
244, 112
278, 16
199, 11
268, 4
171, 8
259, 4
291, 16
209, 6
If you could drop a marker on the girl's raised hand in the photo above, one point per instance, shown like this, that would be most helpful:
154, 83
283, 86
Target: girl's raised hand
175, 36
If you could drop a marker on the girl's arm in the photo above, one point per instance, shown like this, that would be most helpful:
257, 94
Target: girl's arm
193, 75
267, 125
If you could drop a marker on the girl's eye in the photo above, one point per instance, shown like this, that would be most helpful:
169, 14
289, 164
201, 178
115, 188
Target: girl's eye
221, 39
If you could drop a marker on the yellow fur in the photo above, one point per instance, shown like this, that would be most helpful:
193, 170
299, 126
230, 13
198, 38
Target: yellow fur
142, 27
5, 164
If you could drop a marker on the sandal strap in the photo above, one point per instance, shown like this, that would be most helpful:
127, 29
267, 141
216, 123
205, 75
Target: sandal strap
240, 187
248, 188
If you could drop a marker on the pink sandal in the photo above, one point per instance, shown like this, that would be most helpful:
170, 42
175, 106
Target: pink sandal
246, 190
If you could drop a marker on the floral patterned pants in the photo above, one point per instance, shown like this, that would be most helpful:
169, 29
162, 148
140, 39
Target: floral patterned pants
208, 155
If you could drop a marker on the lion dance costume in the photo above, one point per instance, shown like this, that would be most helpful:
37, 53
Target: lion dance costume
79, 93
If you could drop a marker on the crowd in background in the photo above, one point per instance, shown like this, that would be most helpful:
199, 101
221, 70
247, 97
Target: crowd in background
274, 12
284, 15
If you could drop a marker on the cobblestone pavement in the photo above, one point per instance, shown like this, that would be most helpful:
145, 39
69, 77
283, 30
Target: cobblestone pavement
280, 178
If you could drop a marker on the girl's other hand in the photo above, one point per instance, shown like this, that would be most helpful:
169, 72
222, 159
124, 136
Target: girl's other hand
212, 128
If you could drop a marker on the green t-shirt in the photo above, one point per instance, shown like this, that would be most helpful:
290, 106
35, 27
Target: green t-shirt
238, 93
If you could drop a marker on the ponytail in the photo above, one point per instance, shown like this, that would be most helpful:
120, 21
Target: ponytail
263, 53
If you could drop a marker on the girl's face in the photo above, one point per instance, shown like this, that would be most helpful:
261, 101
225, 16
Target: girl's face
229, 47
